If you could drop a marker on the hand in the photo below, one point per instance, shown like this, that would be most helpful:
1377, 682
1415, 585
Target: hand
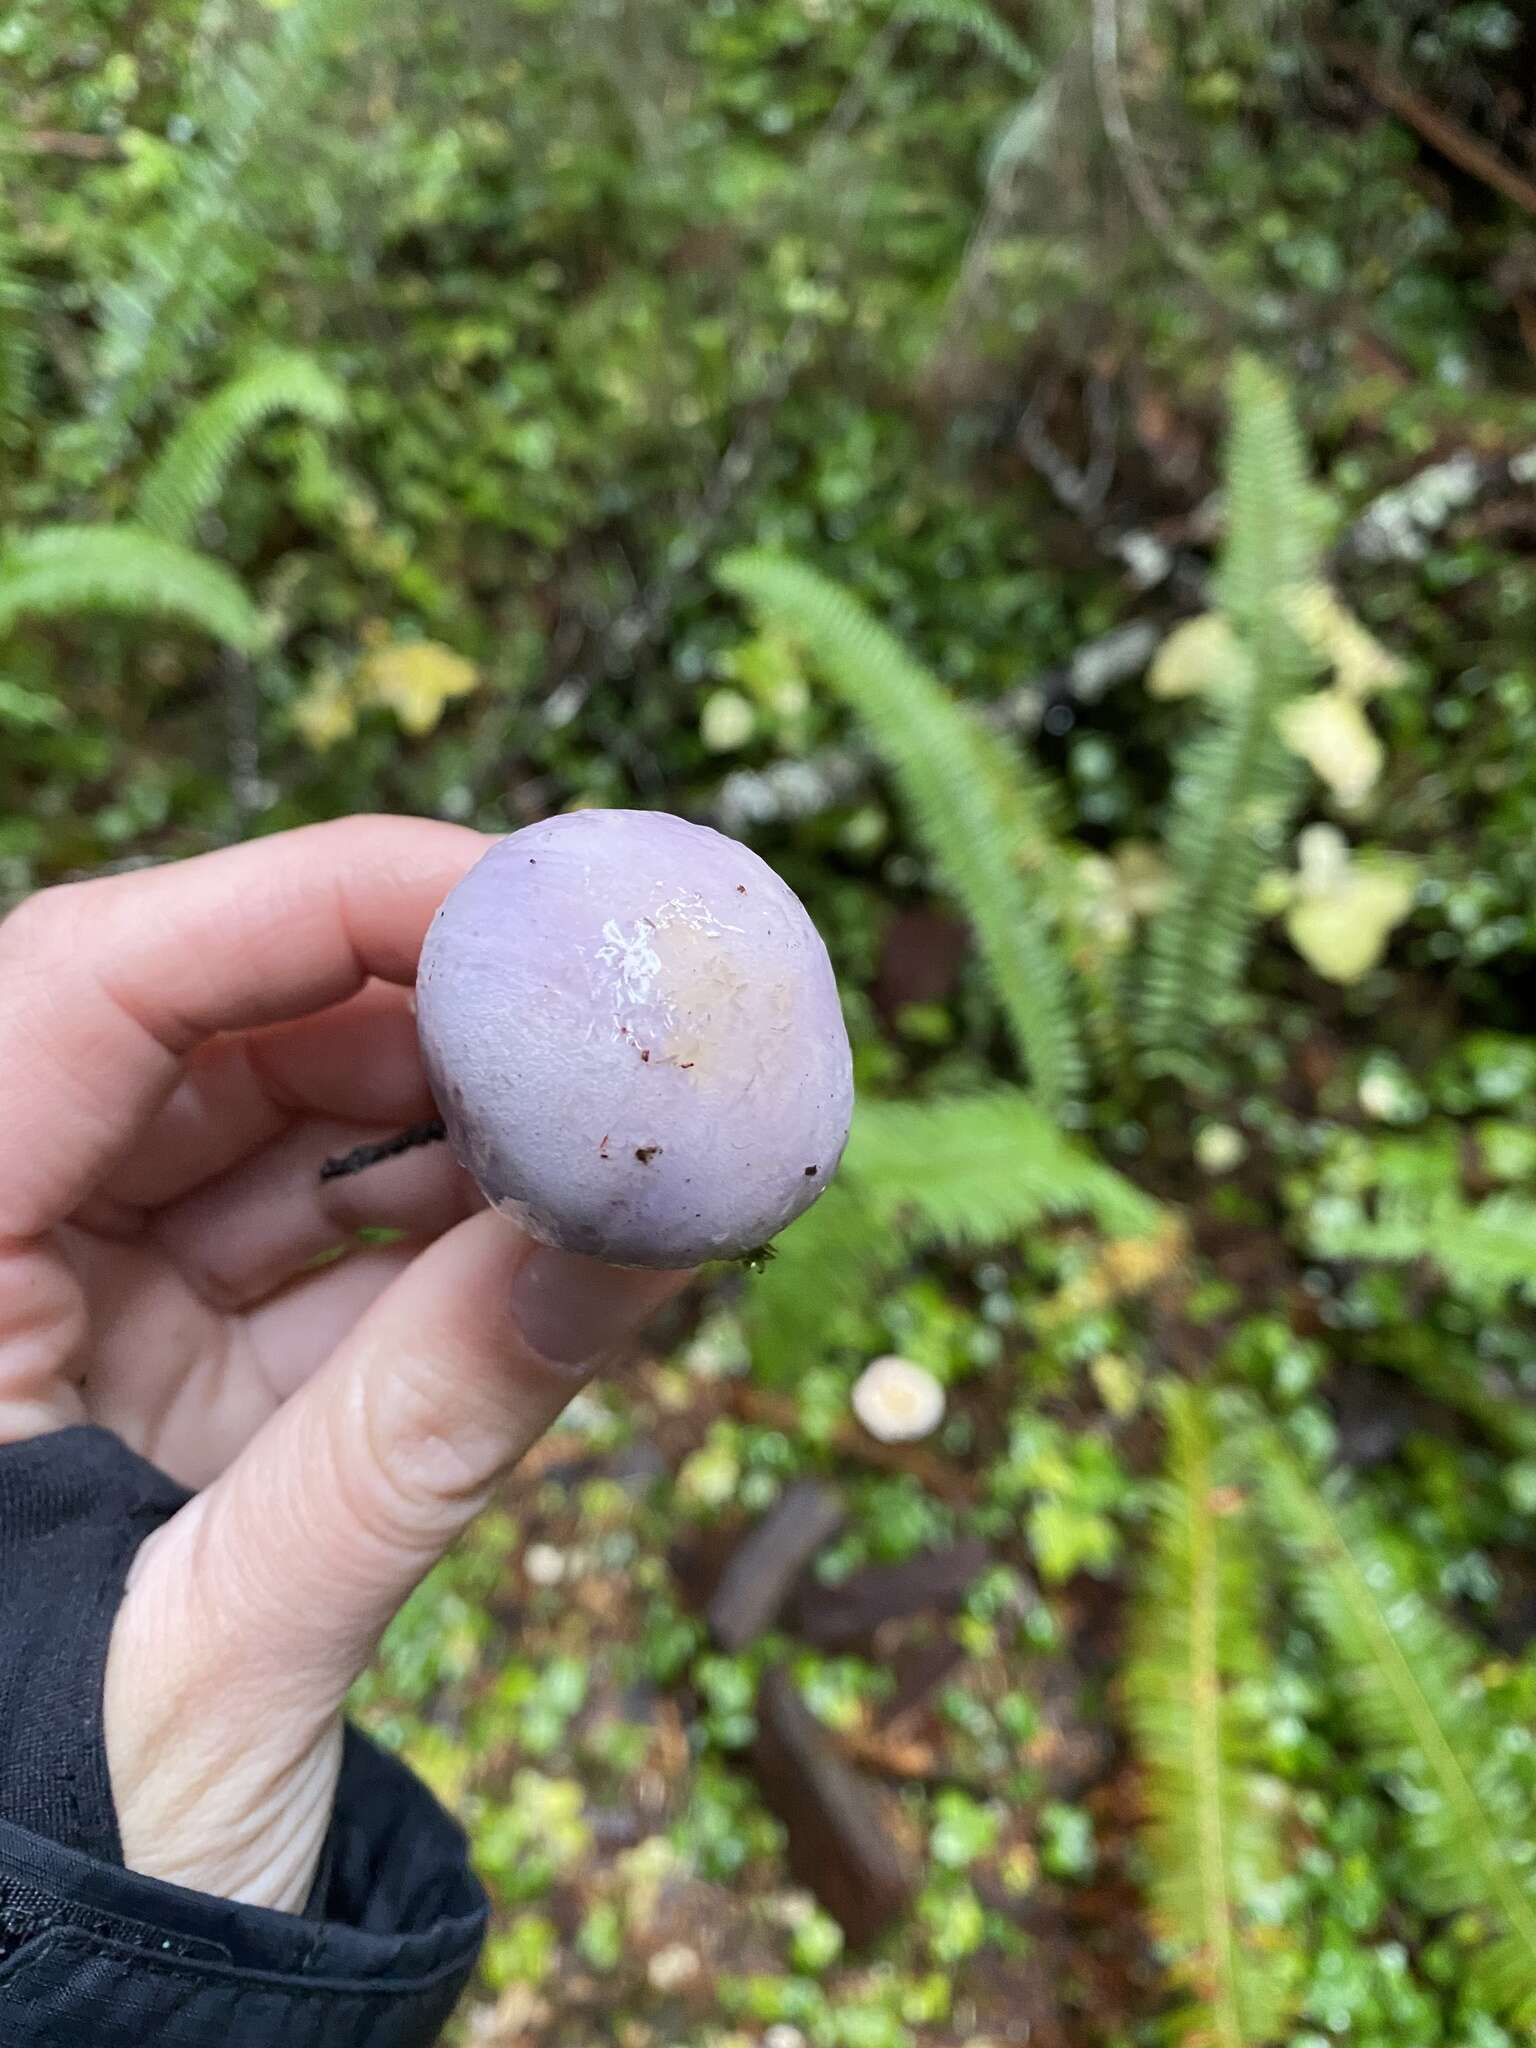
179, 1051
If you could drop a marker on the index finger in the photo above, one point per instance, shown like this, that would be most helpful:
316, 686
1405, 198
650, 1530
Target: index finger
105, 986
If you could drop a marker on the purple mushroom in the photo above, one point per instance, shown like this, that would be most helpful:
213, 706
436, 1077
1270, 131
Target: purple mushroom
633, 1033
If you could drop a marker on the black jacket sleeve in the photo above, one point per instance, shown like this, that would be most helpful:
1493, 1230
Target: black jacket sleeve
95, 1956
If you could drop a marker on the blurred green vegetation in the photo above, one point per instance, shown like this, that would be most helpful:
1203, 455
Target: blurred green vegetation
386, 401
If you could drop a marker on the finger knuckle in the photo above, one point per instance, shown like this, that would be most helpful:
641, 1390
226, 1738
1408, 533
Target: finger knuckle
423, 1475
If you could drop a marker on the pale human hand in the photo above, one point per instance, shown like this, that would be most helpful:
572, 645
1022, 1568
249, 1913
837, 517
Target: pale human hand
179, 1050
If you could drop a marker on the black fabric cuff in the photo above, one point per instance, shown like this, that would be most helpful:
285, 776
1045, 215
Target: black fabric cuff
95, 1956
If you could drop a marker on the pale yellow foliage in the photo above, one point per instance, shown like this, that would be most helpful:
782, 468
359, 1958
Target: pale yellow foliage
1328, 729
1343, 911
1204, 654
1334, 737
1201, 655
726, 721
1361, 665
1133, 882
1120, 1270
325, 713
415, 680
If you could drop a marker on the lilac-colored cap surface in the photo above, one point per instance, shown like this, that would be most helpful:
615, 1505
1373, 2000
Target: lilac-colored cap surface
633, 1032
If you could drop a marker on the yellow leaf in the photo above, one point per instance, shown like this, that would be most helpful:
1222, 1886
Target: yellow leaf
1331, 733
325, 713
1145, 880
726, 721
1361, 665
1344, 911
1201, 655
416, 680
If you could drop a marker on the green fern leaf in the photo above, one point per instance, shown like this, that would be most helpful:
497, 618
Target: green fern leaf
972, 19
201, 255
1424, 1721
187, 477
962, 1172
1271, 526
18, 345
1486, 1250
824, 1267
971, 1168
1454, 1374
24, 709
981, 827
1213, 1846
1236, 786
59, 570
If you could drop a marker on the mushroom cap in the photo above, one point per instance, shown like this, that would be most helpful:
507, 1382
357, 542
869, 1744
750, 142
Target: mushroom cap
633, 1032
897, 1400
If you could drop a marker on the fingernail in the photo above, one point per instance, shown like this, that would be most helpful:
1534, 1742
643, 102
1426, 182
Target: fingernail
572, 1309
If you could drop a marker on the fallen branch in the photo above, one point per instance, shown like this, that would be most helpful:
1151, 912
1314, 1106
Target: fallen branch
844, 1844
1437, 129
1403, 523
1156, 214
839, 1616
762, 1571
63, 142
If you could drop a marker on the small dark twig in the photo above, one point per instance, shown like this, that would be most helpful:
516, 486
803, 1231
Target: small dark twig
1437, 129
362, 1156
62, 142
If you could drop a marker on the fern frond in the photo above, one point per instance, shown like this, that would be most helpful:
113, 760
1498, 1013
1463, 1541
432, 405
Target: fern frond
1213, 1846
189, 473
978, 22
1423, 1719
966, 1171
18, 342
971, 1168
1271, 535
1236, 785
1486, 1250
1025, 802
58, 570
980, 826
1453, 1374
196, 259
826, 1265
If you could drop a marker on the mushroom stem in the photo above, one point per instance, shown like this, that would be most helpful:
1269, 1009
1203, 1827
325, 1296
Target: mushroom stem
383, 1148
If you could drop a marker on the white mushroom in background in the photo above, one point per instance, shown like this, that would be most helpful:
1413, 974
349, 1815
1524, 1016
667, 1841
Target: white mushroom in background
898, 1401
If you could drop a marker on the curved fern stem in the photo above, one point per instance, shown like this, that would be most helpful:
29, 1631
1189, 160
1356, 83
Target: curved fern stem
980, 814
978, 22
188, 474
1204, 1678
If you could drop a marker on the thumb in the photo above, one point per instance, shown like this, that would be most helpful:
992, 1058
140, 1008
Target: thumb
274, 1584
